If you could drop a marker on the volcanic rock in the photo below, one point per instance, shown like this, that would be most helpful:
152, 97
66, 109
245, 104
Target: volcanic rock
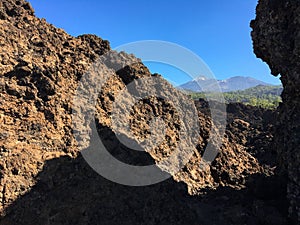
44, 179
276, 39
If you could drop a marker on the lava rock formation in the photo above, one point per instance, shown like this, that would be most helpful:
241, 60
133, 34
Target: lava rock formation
45, 180
276, 39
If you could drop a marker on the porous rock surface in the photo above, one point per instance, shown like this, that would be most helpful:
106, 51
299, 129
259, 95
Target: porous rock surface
276, 38
44, 179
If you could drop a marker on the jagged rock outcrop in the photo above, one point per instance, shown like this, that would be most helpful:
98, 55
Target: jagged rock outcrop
40, 69
276, 38
40, 66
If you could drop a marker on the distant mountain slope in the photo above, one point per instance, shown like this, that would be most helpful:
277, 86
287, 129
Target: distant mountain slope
231, 84
263, 96
261, 91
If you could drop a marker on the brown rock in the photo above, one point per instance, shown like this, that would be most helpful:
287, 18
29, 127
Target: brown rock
43, 178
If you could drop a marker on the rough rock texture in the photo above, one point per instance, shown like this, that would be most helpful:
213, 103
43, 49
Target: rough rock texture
276, 38
43, 178
40, 66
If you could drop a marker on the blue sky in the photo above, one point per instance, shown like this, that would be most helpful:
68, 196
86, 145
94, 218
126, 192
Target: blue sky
218, 31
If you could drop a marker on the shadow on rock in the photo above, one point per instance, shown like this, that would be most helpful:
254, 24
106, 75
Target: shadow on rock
68, 191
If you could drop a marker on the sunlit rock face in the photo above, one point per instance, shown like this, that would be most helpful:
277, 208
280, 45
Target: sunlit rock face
44, 179
276, 39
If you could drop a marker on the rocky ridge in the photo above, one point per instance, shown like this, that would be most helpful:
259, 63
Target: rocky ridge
39, 159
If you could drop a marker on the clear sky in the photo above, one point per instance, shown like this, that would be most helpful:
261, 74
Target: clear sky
216, 30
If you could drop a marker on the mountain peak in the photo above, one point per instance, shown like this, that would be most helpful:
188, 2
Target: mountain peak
199, 78
230, 84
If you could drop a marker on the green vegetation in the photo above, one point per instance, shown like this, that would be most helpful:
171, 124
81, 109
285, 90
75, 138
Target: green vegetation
263, 96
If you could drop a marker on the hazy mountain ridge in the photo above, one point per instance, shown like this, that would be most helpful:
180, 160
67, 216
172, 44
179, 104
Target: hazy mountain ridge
231, 84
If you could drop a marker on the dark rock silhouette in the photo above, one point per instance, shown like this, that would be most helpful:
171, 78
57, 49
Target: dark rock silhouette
275, 37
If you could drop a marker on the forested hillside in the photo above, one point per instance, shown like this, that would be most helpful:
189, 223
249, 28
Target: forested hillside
263, 96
